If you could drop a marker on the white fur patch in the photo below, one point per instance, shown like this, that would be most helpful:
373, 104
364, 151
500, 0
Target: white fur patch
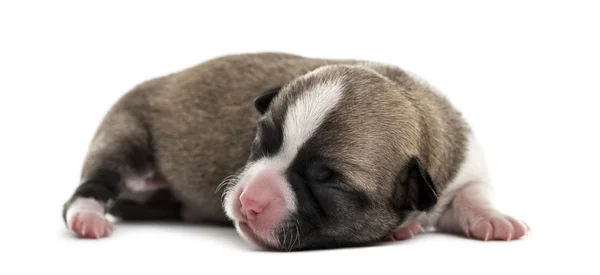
472, 171
306, 114
84, 205
140, 183
137, 184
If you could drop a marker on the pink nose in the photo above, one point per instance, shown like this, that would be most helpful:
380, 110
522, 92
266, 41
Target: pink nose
261, 197
250, 206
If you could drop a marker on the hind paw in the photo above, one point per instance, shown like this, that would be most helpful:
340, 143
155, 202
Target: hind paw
90, 225
85, 217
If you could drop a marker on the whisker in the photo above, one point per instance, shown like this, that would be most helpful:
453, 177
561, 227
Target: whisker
298, 226
229, 180
284, 237
291, 238
226, 181
292, 242
224, 194
297, 239
275, 237
297, 234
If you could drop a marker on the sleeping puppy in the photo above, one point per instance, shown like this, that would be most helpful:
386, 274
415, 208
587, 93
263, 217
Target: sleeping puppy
335, 153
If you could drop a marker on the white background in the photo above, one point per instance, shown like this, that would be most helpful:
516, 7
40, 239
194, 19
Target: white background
525, 74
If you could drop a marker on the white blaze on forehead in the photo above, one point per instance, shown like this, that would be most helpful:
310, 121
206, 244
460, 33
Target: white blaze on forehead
306, 114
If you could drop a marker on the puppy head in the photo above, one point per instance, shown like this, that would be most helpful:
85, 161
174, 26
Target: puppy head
334, 163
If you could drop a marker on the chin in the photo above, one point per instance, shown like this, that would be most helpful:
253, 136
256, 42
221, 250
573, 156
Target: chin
251, 236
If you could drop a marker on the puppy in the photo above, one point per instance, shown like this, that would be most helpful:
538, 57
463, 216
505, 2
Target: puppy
296, 153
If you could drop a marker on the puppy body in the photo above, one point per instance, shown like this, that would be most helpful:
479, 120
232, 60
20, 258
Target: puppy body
346, 152
190, 130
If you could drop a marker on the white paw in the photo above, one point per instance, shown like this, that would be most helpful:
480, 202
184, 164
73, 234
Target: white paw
406, 232
85, 217
495, 226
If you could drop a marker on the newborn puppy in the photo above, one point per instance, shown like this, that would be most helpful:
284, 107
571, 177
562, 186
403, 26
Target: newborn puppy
336, 153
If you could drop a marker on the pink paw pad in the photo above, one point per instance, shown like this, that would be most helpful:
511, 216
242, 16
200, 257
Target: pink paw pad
90, 225
496, 226
406, 232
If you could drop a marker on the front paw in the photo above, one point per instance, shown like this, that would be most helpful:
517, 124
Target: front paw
495, 226
406, 232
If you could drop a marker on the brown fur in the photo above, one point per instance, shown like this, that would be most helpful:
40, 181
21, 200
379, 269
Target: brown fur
384, 119
417, 120
195, 127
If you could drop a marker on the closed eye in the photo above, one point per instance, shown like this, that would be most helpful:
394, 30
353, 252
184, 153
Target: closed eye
336, 191
319, 173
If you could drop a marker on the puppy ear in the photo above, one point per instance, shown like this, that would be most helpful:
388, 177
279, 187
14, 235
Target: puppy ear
262, 102
415, 189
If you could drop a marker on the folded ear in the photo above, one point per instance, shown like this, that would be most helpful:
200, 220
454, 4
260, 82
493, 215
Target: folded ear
415, 189
262, 102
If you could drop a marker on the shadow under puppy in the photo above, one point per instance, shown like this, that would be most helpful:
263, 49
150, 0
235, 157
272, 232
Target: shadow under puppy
336, 153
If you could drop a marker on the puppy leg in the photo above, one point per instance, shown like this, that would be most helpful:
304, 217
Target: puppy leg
119, 152
472, 214
466, 206
160, 206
